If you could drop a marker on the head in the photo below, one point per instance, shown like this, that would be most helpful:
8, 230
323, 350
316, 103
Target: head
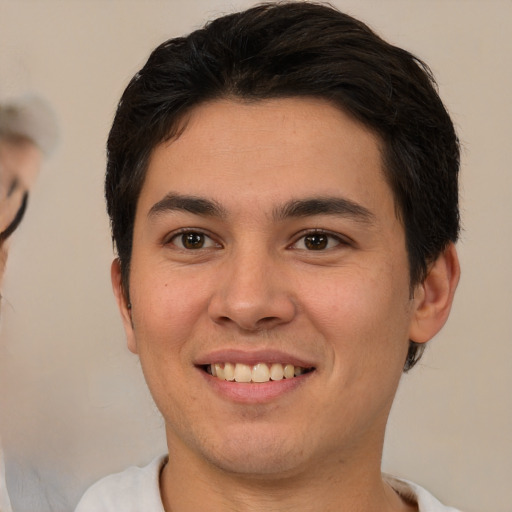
294, 50
28, 130
19, 163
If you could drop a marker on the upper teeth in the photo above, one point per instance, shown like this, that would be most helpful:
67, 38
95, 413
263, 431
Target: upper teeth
260, 372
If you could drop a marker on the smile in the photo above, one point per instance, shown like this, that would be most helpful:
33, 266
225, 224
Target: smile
258, 373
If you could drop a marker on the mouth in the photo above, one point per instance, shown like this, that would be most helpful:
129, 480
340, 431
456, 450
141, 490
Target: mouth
258, 373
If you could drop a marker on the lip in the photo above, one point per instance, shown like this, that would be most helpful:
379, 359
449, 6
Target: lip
252, 393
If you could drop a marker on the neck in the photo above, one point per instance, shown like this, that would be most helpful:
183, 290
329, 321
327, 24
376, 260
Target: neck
188, 484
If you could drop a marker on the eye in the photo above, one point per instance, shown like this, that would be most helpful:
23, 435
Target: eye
192, 240
317, 241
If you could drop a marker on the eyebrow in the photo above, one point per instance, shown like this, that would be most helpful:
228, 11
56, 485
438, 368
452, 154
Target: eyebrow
325, 206
191, 204
292, 209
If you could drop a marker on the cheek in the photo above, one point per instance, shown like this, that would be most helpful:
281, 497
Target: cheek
167, 307
361, 312
165, 316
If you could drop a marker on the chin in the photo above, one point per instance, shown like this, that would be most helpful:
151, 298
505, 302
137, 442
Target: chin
251, 454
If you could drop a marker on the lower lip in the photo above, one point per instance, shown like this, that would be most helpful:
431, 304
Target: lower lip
254, 393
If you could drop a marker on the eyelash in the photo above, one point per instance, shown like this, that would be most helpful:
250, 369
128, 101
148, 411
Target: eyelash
340, 240
189, 231
210, 241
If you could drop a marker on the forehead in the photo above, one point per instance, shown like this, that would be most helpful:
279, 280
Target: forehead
270, 149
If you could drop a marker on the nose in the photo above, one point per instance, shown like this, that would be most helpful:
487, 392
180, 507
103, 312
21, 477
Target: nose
252, 293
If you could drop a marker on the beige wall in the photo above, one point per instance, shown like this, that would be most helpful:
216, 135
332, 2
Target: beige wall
73, 402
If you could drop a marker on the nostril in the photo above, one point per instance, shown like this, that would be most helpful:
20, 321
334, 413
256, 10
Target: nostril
263, 322
251, 307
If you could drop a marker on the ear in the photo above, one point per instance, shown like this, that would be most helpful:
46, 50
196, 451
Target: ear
122, 304
433, 297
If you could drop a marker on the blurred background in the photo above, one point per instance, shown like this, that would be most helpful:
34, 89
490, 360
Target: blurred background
73, 403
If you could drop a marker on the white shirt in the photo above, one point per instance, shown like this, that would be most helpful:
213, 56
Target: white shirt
137, 490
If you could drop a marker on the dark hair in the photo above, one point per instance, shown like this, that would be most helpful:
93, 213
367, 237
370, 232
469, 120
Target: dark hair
297, 49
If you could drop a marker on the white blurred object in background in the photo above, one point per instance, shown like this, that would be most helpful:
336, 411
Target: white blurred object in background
28, 129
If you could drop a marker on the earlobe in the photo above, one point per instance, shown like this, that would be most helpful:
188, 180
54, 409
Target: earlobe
123, 305
433, 297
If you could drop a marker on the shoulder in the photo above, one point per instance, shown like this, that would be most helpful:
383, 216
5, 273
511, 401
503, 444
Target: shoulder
132, 490
416, 494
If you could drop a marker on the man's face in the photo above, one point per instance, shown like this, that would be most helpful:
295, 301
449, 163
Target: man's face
266, 233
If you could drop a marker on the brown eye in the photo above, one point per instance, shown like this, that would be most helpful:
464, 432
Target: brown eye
193, 240
316, 241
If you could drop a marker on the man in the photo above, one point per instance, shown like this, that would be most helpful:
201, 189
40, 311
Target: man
27, 131
282, 188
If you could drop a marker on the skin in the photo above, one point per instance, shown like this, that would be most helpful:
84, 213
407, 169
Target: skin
255, 285
20, 161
